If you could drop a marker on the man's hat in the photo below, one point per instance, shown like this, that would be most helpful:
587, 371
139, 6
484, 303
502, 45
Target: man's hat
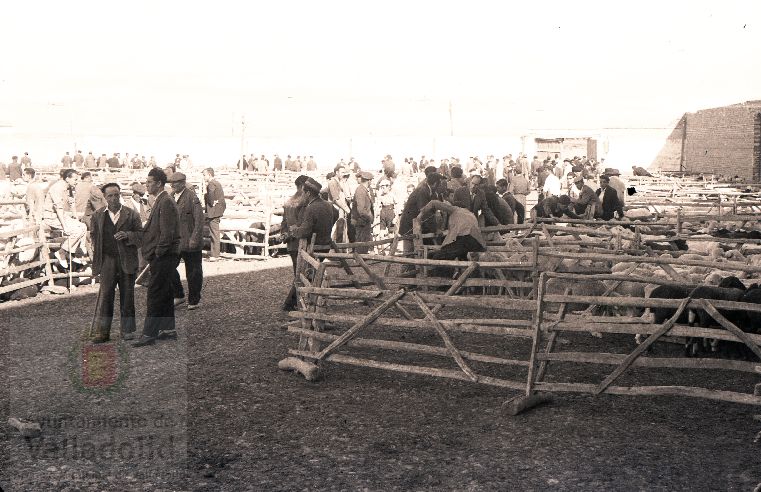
366, 175
138, 188
177, 176
312, 185
611, 171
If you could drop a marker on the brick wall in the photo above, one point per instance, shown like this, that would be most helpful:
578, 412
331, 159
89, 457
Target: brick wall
721, 141
669, 156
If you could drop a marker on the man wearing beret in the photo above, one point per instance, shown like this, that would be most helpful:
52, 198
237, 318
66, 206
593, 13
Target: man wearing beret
362, 213
191, 241
317, 216
161, 247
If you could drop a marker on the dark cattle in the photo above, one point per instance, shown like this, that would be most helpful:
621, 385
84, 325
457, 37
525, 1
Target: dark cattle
751, 321
705, 320
732, 282
669, 292
258, 237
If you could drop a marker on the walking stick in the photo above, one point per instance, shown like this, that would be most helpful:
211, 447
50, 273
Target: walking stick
95, 314
142, 274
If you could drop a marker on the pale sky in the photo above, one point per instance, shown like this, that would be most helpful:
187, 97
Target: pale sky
359, 68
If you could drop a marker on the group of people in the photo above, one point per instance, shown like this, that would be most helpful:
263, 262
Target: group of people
126, 241
580, 200
14, 170
261, 164
123, 235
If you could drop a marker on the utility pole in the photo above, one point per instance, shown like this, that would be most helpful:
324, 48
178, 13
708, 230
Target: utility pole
242, 137
451, 122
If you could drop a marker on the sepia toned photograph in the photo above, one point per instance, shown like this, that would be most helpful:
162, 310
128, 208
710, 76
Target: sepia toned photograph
389, 246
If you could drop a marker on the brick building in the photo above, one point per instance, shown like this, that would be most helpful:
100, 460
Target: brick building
724, 141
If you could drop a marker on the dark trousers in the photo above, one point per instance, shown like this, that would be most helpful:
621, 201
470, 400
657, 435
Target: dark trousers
362, 234
193, 273
457, 250
291, 301
520, 211
111, 276
214, 236
159, 312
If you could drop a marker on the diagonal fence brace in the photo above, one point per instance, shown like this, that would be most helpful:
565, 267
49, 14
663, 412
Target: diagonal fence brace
447, 341
665, 327
708, 307
354, 330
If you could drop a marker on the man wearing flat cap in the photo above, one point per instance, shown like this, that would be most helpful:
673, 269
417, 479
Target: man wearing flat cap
587, 205
617, 184
191, 241
362, 213
214, 198
317, 216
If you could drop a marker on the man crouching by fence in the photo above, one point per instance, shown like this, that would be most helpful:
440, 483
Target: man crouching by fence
116, 233
463, 236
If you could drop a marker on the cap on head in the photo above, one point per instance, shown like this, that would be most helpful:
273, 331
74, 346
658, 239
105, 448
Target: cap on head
312, 185
176, 177
365, 175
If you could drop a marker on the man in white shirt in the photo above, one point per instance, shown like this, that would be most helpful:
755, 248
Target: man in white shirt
463, 233
551, 186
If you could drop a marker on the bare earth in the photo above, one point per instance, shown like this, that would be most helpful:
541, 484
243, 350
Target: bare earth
211, 411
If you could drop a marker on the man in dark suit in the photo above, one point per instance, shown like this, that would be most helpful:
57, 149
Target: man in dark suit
191, 241
608, 196
362, 213
214, 199
317, 216
502, 211
512, 202
161, 249
116, 233
278, 163
473, 198
418, 199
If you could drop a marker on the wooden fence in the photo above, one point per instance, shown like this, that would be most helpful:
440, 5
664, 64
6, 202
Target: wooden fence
548, 324
352, 294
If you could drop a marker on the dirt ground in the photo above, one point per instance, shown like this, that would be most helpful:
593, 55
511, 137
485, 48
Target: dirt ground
211, 411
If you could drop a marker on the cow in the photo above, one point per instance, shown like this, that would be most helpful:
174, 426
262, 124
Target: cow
692, 346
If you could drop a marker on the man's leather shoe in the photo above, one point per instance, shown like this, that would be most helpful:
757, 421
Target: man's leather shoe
128, 336
100, 339
143, 341
178, 301
167, 335
194, 306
